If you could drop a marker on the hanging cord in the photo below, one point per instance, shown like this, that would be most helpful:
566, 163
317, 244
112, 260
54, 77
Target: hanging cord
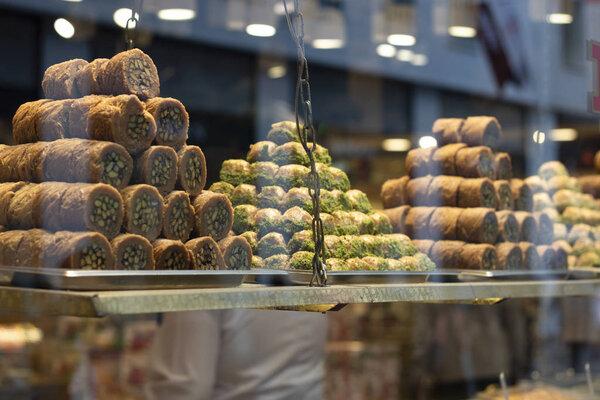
131, 25
303, 98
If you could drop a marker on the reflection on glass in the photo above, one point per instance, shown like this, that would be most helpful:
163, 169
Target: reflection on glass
64, 28
176, 14
122, 15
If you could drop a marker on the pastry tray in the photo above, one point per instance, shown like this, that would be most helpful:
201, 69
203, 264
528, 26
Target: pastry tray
64, 279
375, 277
273, 277
470, 276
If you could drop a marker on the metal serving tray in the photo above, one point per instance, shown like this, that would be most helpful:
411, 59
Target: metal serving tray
470, 276
362, 277
273, 277
117, 279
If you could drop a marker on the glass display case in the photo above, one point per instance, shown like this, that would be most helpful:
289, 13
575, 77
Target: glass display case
331, 199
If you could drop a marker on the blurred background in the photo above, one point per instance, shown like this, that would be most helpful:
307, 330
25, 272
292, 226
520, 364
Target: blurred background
381, 72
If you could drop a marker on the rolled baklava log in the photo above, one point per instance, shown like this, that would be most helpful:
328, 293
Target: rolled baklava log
271, 197
206, 254
547, 256
171, 255
86, 79
417, 191
475, 162
283, 132
191, 170
23, 162
510, 256
527, 226
477, 256
10, 244
157, 167
172, 121
7, 192
178, 214
359, 201
80, 160
444, 158
244, 194
480, 131
551, 169
236, 252
443, 222
447, 130
560, 257
589, 184
298, 197
522, 194
508, 227
393, 192
531, 259
290, 153
443, 190
423, 245
477, 192
27, 249
504, 196
503, 166
130, 72
59, 79
122, 119
78, 250
41, 120
144, 211
80, 125
545, 228
272, 243
264, 173
261, 151
419, 162
445, 252
397, 216
417, 222
132, 252
214, 215
477, 225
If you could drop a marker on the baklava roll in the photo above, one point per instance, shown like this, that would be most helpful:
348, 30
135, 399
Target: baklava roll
417, 191
23, 162
144, 211
302, 260
443, 190
510, 256
559, 231
214, 215
172, 121
339, 178
59, 79
80, 160
359, 201
475, 162
78, 250
508, 227
298, 197
80, 125
7, 192
545, 228
345, 224
397, 216
301, 241
542, 201
527, 226
445, 252
536, 184
363, 222
222, 187
396, 245
447, 130
244, 194
278, 261
334, 200
271, 197
252, 239
547, 256
393, 192
268, 220
477, 225
531, 259
502, 166
290, 176
132, 252
157, 167
504, 196
477, 256
551, 169
261, 151
236, 252
560, 258
10, 244
477, 192
295, 220
419, 162
205, 253
86, 79
480, 131
290, 153
130, 72
264, 173
27, 249
283, 132
381, 223
443, 223
417, 222
178, 214
444, 158
272, 243
522, 194
171, 255
41, 120
424, 245
191, 170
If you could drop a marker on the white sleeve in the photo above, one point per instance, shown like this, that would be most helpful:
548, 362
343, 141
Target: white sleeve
184, 356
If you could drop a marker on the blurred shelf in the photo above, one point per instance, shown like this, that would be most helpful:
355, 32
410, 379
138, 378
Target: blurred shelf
20, 301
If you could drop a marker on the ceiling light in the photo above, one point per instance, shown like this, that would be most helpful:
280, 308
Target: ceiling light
278, 8
176, 14
559, 18
397, 144
563, 135
539, 137
64, 28
122, 15
386, 50
73, 1
462, 31
401, 40
276, 72
420, 60
405, 55
260, 30
427, 141
326, 44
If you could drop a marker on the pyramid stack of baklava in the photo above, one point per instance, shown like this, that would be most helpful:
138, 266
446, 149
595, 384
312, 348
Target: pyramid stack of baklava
273, 210
101, 176
462, 206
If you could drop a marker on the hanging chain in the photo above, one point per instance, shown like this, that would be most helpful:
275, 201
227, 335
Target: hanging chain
303, 99
131, 25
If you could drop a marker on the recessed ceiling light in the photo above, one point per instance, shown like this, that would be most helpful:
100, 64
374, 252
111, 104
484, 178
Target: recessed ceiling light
176, 14
563, 135
396, 144
420, 60
260, 30
427, 141
401, 40
559, 18
539, 137
122, 15
64, 28
386, 50
276, 71
462, 31
326, 44
405, 55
